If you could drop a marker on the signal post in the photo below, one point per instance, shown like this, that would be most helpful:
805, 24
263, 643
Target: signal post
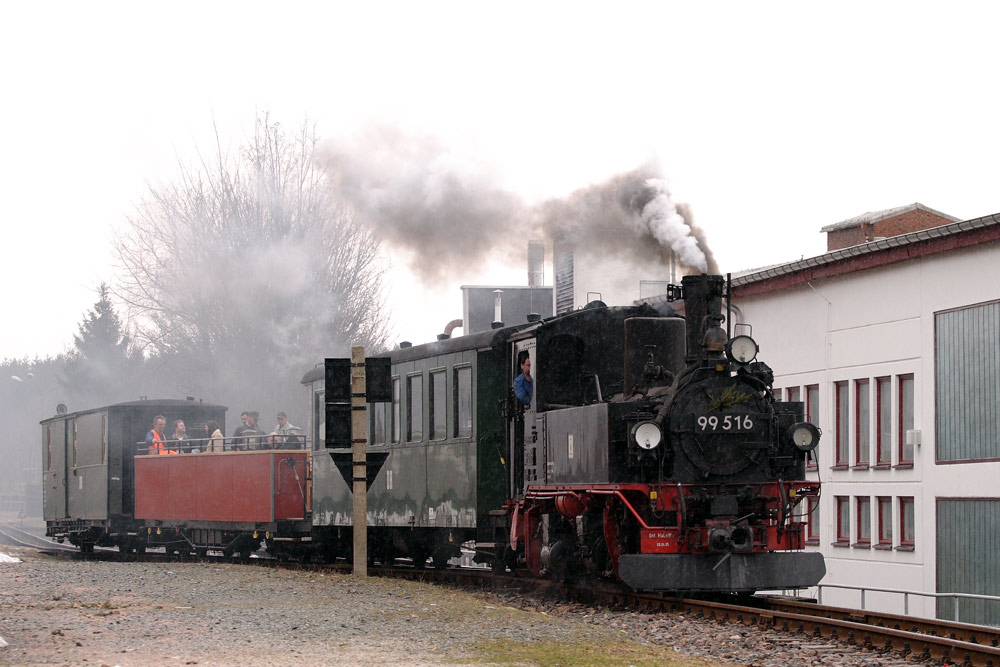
359, 446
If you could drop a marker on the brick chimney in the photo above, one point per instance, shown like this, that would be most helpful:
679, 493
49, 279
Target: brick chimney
883, 224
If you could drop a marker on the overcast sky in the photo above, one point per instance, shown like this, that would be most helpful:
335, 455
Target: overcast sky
770, 120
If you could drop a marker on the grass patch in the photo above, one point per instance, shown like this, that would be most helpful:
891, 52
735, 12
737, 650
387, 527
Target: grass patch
553, 654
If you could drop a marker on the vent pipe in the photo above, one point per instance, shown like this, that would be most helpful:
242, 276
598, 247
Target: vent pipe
536, 263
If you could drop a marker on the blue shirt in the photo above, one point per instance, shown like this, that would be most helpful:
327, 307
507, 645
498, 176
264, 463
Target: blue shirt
524, 388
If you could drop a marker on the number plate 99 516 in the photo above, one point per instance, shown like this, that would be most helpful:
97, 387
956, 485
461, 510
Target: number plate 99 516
724, 423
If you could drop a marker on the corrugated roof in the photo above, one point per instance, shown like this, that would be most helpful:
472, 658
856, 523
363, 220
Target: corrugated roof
876, 216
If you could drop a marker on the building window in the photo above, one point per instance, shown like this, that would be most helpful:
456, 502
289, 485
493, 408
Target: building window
884, 522
463, 402
864, 505
812, 416
812, 520
907, 538
843, 520
395, 410
862, 423
794, 395
905, 417
841, 425
438, 428
883, 431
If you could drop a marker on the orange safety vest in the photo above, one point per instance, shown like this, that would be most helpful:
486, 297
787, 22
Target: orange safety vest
157, 447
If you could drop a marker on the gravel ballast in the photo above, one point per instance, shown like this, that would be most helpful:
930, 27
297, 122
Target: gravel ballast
60, 611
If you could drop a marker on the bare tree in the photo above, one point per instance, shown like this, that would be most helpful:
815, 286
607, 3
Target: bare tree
246, 271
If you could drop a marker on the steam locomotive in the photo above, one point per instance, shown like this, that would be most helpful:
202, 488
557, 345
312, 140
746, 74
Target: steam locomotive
652, 451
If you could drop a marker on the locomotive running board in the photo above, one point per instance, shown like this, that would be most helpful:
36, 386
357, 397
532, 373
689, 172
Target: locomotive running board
740, 572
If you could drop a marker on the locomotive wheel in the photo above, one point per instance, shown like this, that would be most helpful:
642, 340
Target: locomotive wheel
440, 558
123, 549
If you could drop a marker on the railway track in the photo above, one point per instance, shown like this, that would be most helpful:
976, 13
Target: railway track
14, 536
818, 626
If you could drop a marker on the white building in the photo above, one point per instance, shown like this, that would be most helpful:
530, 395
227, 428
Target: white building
894, 345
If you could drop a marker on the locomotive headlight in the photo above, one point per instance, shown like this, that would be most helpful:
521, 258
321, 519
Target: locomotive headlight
742, 349
805, 436
647, 434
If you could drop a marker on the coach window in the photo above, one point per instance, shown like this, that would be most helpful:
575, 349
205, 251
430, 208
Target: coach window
463, 402
907, 538
883, 431
74, 443
905, 419
439, 404
414, 408
104, 439
843, 504
48, 446
862, 423
842, 426
395, 410
378, 423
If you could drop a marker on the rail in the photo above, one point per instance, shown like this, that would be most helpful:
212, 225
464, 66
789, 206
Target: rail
906, 596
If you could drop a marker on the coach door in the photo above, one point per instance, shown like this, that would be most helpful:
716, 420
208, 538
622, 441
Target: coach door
54, 476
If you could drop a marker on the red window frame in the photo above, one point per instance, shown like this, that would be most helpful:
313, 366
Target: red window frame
843, 504
884, 521
907, 535
794, 394
883, 421
863, 509
862, 423
812, 520
904, 417
842, 446
812, 416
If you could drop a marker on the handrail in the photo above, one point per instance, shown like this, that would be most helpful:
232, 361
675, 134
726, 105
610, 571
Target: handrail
906, 596
234, 443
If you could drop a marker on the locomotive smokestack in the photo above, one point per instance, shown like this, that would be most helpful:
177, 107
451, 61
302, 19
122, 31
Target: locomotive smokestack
702, 309
536, 263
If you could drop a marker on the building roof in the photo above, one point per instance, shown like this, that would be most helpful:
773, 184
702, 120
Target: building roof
877, 216
879, 252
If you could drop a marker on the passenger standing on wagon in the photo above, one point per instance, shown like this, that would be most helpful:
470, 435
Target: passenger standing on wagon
284, 433
238, 440
155, 438
180, 436
253, 433
216, 441
524, 386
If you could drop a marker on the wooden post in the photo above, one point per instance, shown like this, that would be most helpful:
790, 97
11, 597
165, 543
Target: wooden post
359, 447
